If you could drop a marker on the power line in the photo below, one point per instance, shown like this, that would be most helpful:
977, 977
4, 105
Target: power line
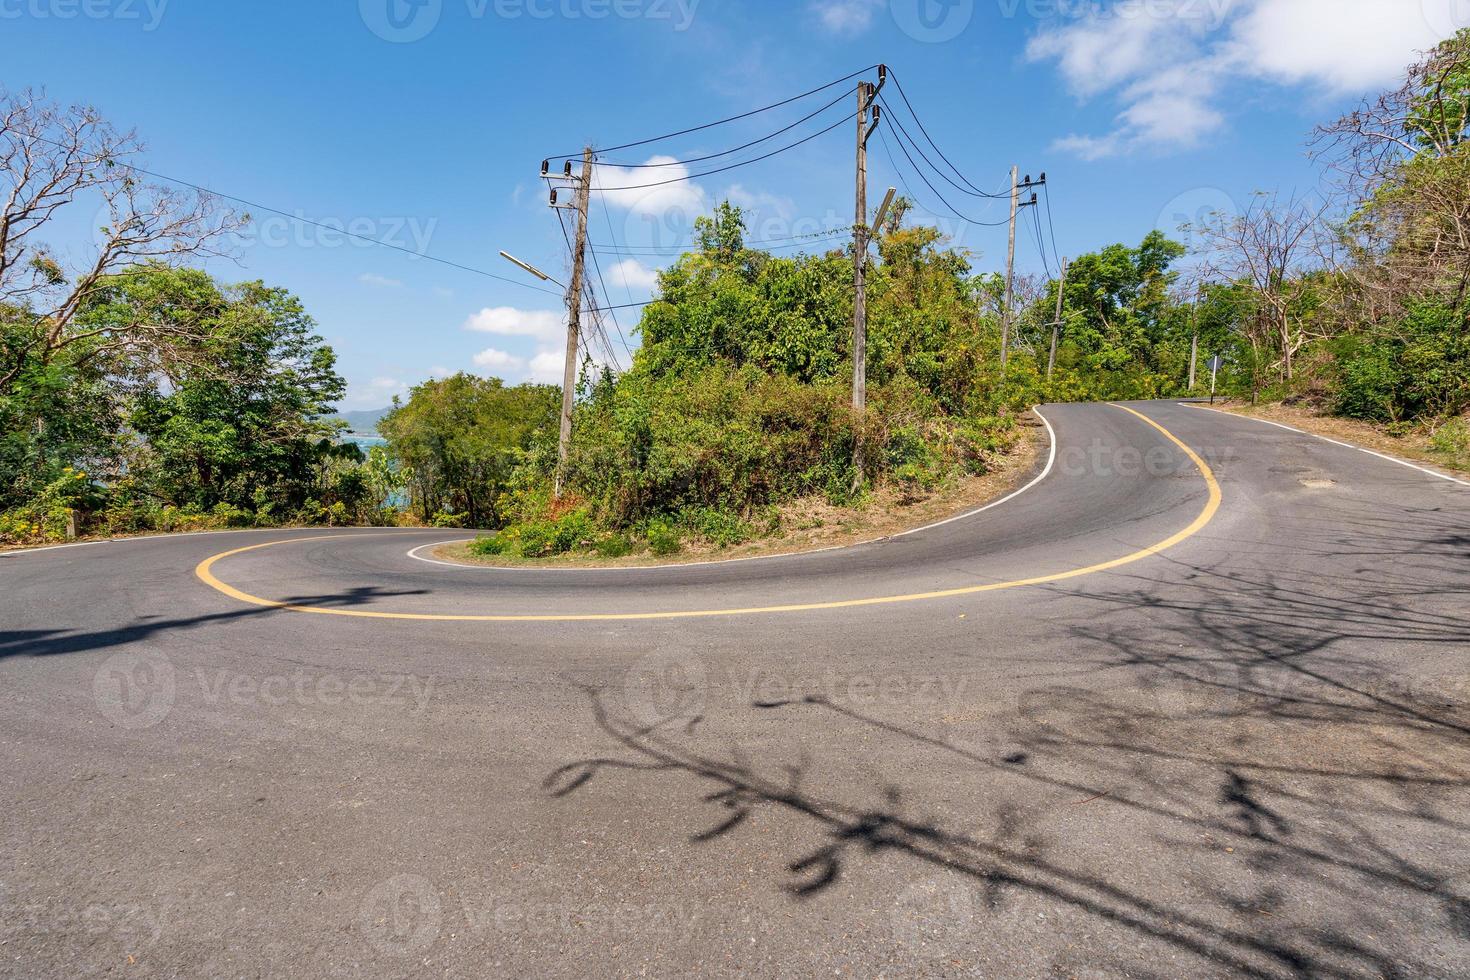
686, 246
959, 214
913, 198
1055, 252
597, 266
725, 153
932, 165
673, 252
721, 122
733, 166
307, 221
904, 95
589, 296
1040, 241
627, 289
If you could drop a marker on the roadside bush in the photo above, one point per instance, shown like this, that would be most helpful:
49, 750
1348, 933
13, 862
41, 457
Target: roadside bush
1452, 441
1421, 370
487, 546
614, 545
719, 527
663, 537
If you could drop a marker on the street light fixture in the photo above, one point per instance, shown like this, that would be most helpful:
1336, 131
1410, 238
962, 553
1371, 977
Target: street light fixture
528, 267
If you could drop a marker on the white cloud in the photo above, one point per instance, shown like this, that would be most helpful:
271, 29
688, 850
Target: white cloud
507, 321
1110, 46
1166, 61
1342, 45
382, 282
498, 360
548, 366
632, 274
372, 394
545, 329
763, 201
677, 200
846, 18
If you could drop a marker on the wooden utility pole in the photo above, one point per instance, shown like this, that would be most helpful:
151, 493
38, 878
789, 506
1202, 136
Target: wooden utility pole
866, 93
859, 259
574, 321
1194, 340
1005, 320
1056, 325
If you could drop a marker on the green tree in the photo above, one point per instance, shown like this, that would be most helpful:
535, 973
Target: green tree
1121, 335
248, 422
460, 438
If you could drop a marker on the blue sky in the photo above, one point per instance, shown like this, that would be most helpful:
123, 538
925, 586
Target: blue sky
423, 122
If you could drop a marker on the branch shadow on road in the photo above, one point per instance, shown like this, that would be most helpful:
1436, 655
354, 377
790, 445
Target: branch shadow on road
1281, 753
51, 642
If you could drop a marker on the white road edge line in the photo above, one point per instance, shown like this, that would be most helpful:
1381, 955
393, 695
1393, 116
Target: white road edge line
1050, 463
20, 552
1335, 442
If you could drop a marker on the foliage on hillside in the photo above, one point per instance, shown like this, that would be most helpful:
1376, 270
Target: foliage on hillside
230, 432
138, 395
1367, 316
740, 397
459, 439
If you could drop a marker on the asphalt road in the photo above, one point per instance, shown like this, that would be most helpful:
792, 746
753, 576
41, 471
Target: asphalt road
1116, 726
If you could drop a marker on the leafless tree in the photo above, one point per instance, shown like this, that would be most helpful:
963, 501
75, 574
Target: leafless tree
1269, 248
1402, 158
1427, 113
51, 158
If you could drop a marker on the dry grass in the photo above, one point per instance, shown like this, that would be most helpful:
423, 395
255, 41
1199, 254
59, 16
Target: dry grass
812, 524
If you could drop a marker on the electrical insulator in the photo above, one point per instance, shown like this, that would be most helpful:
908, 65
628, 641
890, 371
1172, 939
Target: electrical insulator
545, 167
568, 170
553, 197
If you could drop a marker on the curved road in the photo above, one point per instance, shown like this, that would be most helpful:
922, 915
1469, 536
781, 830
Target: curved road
1195, 703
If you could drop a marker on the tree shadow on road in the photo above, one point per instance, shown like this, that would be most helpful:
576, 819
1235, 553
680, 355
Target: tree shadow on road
1264, 771
50, 642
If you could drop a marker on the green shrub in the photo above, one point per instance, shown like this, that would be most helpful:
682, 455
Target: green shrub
487, 546
556, 536
614, 545
229, 516
1420, 370
663, 537
1369, 385
719, 527
1452, 441
446, 519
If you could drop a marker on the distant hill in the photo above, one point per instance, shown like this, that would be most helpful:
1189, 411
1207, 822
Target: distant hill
365, 422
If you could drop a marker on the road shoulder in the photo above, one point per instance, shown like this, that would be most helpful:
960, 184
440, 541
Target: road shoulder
1413, 449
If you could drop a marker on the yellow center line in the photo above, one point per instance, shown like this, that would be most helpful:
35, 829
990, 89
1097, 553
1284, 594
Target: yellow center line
206, 574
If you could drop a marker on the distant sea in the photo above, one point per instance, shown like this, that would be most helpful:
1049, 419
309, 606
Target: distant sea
363, 440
